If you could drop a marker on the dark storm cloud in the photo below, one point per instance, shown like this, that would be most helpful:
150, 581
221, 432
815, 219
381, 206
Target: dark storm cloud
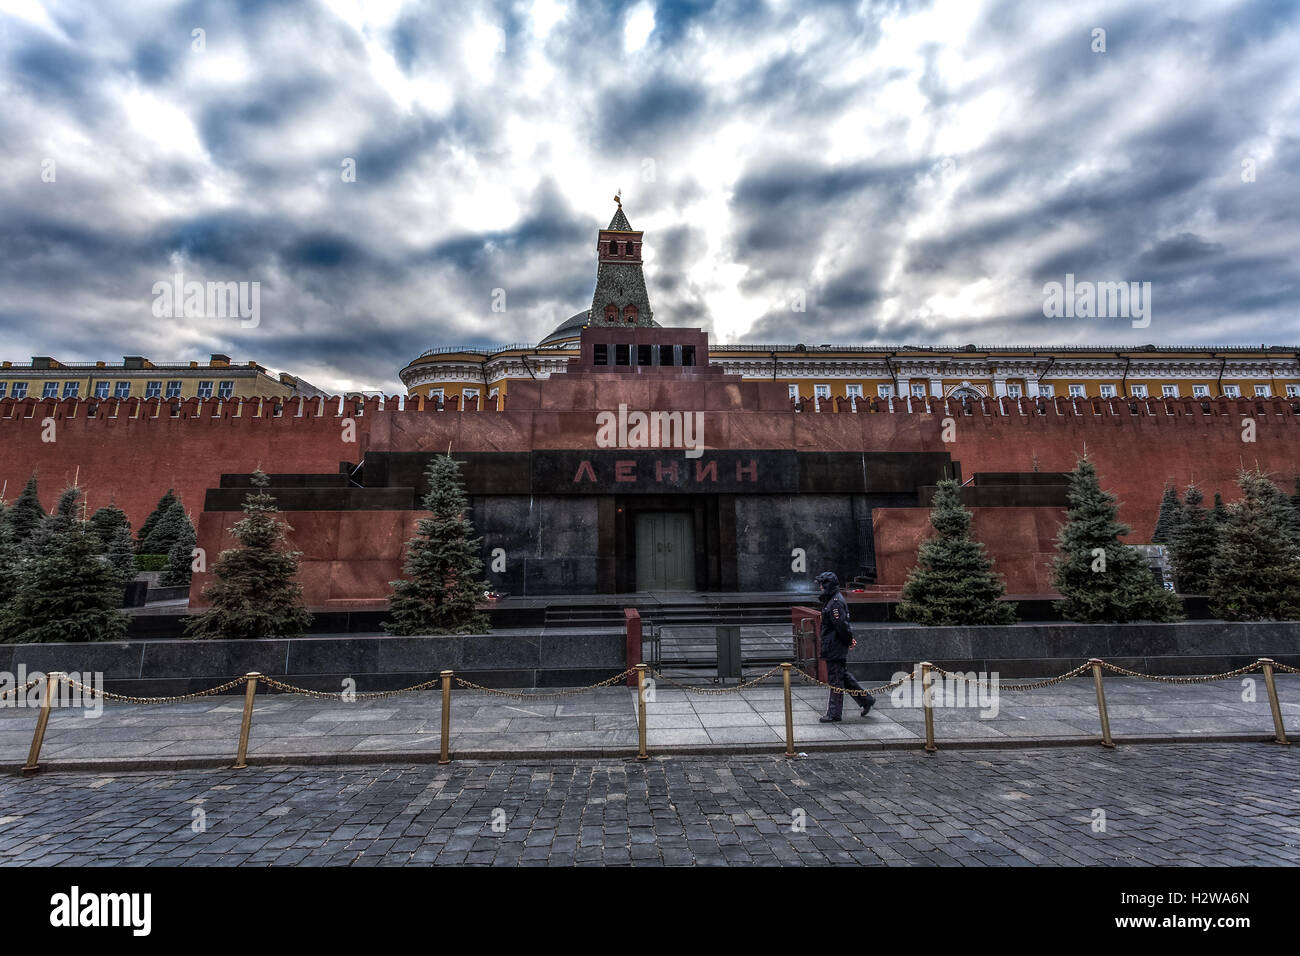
1122, 166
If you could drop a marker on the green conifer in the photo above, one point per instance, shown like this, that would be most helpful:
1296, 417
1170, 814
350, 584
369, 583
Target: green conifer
67, 592
26, 514
1191, 552
1256, 569
164, 505
442, 590
1100, 578
1171, 515
953, 582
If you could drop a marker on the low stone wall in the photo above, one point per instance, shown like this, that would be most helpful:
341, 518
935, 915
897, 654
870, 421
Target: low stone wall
168, 667
1044, 650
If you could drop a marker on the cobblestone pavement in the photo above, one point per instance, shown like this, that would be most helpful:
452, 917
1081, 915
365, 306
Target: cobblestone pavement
1179, 804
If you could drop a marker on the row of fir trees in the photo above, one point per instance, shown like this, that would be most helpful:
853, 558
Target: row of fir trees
1245, 557
63, 575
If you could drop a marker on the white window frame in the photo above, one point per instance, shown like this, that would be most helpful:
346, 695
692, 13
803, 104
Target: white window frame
1292, 391
1078, 391
1232, 391
1046, 391
153, 389
1200, 391
50, 390
1169, 391
4, 387
884, 391
205, 388
226, 389
101, 389
918, 389
853, 391
466, 394
794, 391
821, 392
174, 388
1138, 391
1263, 391
71, 389
1014, 390
19, 391
121, 389
1107, 390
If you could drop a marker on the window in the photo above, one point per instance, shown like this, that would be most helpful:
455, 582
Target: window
101, 390
622, 355
885, 391
1169, 391
600, 354
613, 248
205, 389
918, 391
20, 390
71, 389
643, 356
494, 393
174, 389
611, 313
50, 390
1013, 391
688, 354
1200, 391
1232, 391
821, 391
629, 315
466, 394
1076, 391
1046, 391
122, 390
4, 386
1292, 391
794, 391
152, 389
1263, 391
1108, 391
225, 389
1138, 391
853, 391
435, 395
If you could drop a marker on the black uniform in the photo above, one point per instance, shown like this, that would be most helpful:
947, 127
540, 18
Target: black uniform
836, 636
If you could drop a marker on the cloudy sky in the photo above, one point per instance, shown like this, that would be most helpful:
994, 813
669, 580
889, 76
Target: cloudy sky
913, 172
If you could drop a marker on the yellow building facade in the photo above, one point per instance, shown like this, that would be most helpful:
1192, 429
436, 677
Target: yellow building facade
137, 377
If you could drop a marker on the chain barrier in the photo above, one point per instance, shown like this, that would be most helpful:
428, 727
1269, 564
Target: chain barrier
714, 691
344, 696
124, 699
549, 695
1287, 668
855, 693
1035, 685
21, 690
1184, 680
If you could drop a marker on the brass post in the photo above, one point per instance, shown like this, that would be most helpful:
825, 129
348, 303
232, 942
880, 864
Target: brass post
640, 701
34, 755
1106, 740
1279, 730
927, 701
789, 714
241, 762
444, 755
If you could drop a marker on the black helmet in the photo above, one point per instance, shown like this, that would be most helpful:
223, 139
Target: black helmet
827, 581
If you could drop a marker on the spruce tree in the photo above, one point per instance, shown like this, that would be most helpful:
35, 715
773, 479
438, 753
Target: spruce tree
180, 558
1100, 578
1219, 513
1171, 515
68, 592
121, 553
1191, 552
442, 590
953, 582
65, 516
164, 504
12, 558
255, 594
105, 523
167, 530
1256, 569
27, 514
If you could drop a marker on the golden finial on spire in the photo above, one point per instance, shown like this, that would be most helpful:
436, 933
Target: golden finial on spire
618, 198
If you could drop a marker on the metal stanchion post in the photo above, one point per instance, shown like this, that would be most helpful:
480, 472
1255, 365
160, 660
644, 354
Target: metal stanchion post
927, 701
1278, 729
444, 756
789, 713
1101, 704
640, 701
241, 761
34, 755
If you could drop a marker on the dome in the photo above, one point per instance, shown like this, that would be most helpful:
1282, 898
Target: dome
568, 329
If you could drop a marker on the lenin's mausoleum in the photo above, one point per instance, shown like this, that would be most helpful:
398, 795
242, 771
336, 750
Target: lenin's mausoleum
622, 454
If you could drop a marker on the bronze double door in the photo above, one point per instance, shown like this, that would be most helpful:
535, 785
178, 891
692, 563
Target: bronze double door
665, 551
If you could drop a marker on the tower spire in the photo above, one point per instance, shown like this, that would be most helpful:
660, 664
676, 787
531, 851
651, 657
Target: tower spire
620, 298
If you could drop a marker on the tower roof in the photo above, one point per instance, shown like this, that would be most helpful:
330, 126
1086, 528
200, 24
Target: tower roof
619, 221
